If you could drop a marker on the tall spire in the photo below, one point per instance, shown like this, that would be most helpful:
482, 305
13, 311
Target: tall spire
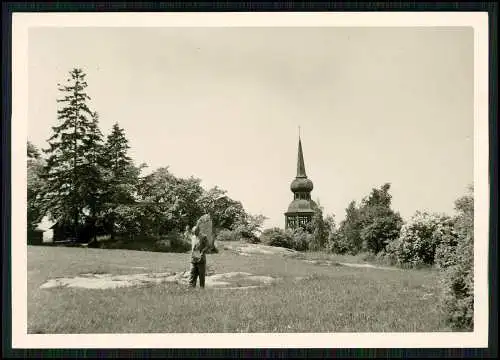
301, 169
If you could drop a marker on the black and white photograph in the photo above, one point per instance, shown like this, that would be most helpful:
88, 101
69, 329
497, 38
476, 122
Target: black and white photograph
190, 180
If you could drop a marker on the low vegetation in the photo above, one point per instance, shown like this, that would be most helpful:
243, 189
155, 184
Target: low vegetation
310, 298
171, 242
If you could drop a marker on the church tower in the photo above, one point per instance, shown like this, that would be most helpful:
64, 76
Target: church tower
301, 209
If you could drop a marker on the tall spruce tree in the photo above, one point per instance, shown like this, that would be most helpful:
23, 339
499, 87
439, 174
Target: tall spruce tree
122, 175
94, 168
72, 153
116, 148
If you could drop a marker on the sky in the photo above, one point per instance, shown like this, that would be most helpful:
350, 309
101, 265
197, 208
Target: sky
374, 105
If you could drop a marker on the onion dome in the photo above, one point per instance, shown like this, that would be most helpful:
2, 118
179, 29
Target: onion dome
301, 185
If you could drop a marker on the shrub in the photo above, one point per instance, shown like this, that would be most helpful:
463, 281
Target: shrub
141, 243
300, 240
177, 242
338, 243
296, 240
419, 239
227, 235
458, 287
386, 259
276, 237
237, 235
446, 250
171, 242
246, 234
458, 276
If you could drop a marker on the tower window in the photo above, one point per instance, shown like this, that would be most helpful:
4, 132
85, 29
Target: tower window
302, 196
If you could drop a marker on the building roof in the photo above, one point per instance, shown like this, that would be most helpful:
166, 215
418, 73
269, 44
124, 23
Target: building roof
301, 182
302, 206
301, 168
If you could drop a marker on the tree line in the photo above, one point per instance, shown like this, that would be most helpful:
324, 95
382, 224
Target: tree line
88, 185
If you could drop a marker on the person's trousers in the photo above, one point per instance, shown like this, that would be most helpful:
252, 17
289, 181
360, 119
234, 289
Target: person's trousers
197, 270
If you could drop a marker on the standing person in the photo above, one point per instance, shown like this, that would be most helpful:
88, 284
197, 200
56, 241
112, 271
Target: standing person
199, 247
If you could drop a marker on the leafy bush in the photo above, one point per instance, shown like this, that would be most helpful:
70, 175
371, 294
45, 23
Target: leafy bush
419, 238
227, 235
244, 233
458, 276
276, 237
446, 250
296, 240
240, 234
172, 242
176, 242
301, 240
458, 287
127, 243
337, 243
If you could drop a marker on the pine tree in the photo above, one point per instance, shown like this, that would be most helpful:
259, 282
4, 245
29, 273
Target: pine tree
71, 164
122, 176
94, 170
116, 149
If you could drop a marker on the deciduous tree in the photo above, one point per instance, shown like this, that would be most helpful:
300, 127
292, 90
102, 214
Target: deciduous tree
35, 187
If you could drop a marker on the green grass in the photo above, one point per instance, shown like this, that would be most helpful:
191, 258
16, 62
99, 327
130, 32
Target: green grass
334, 299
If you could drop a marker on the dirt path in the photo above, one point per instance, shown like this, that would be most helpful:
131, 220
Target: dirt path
369, 266
259, 249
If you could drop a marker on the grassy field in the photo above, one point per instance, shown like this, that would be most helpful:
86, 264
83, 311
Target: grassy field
333, 299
